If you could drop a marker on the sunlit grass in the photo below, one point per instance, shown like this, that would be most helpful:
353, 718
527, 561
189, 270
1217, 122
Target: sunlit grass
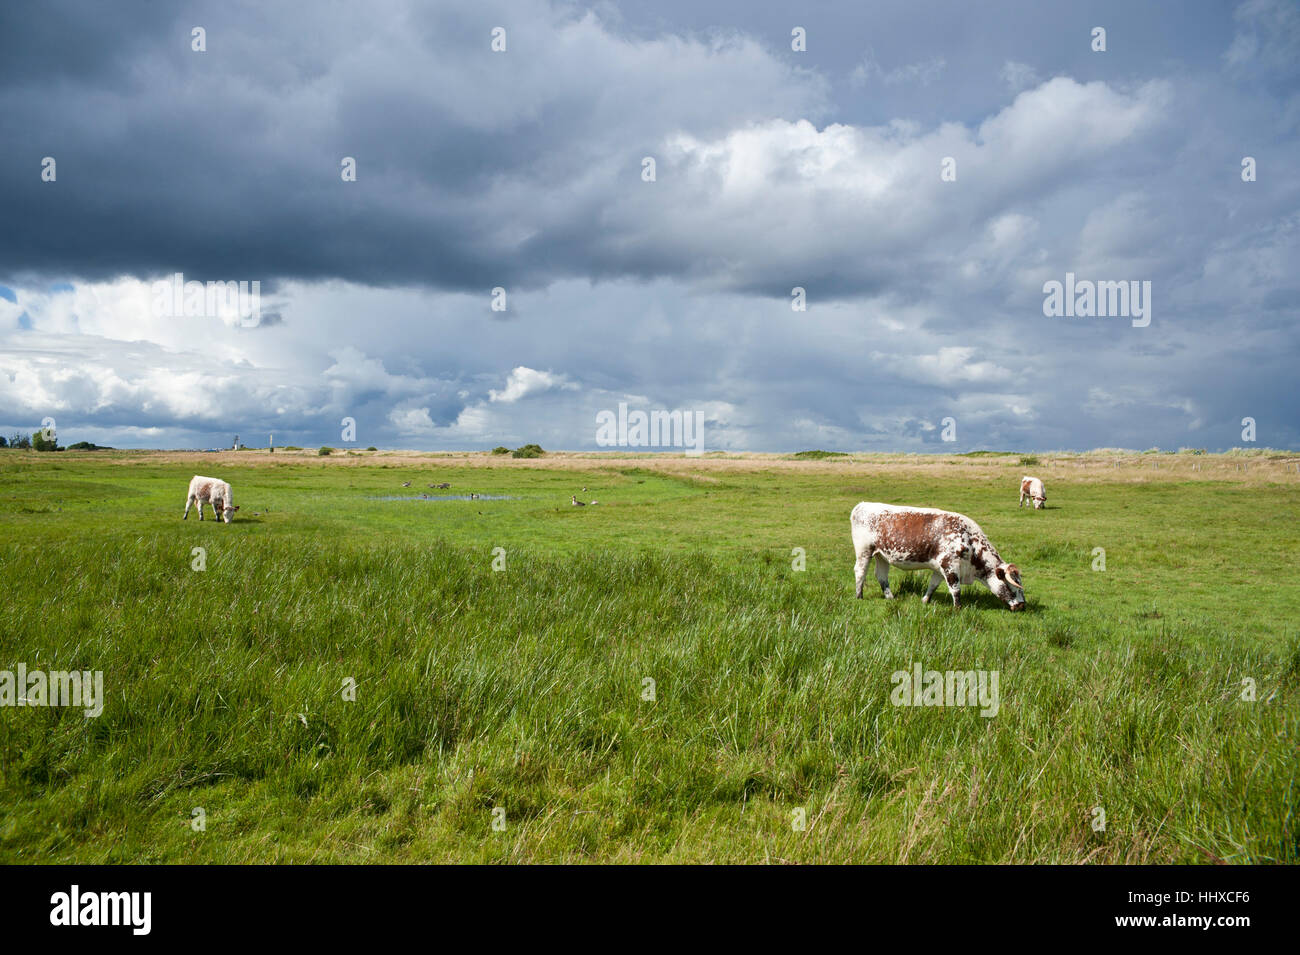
524, 689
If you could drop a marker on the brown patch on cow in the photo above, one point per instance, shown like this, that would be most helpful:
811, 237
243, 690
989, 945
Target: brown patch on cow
915, 534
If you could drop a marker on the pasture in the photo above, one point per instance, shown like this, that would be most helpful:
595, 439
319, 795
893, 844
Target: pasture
770, 735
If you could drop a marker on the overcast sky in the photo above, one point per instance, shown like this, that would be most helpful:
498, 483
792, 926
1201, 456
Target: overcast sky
524, 170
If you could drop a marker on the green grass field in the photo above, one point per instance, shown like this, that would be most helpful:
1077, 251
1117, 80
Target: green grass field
523, 689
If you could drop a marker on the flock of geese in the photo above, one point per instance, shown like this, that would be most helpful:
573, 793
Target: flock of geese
474, 497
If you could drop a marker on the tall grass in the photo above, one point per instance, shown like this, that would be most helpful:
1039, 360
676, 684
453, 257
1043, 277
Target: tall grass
525, 689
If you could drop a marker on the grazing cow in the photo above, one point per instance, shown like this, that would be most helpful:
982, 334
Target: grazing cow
205, 490
914, 538
1032, 489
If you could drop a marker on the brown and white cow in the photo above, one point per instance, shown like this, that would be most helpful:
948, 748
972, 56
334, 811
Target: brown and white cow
915, 538
1032, 489
213, 491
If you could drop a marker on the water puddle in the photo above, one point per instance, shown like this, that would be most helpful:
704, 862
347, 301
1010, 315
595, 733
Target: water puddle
444, 497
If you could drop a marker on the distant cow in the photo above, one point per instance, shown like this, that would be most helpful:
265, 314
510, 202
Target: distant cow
914, 538
1032, 489
206, 490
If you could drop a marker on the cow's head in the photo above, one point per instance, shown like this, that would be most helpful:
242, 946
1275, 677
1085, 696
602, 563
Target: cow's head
1040, 502
228, 512
1006, 586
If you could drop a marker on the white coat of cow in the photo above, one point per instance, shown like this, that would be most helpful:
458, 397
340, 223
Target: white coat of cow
213, 491
917, 538
1032, 489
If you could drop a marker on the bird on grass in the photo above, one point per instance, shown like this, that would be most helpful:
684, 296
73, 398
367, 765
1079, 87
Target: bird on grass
576, 502
406, 484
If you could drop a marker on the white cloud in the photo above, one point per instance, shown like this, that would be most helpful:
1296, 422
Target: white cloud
922, 72
1018, 76
527, 381
1267, 38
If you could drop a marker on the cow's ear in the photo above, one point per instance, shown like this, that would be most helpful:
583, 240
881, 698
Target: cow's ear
1002, 574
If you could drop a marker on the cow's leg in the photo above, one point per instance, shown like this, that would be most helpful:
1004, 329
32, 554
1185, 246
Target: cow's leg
860, 571
882, 575
950, 567
1022, 498
934, 584
200, 502
188, 501
951, 570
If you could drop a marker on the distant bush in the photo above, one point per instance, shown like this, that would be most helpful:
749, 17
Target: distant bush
1254, 452
324, 451
88, 446
291, 447
1028, 461
1191, 451
500, 449
21, 441
528, 451
820, 455
41, 443
372, 448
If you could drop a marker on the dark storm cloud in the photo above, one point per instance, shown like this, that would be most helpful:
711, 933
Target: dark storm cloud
227, 162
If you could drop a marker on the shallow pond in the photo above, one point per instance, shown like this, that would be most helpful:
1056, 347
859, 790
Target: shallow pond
444, 497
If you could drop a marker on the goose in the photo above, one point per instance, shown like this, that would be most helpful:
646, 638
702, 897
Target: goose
576, 502
406, 484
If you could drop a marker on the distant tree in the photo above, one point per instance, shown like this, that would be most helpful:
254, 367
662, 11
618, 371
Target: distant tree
42, 443
324, 451
20, 441
528, 451
4, 442
500, 449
